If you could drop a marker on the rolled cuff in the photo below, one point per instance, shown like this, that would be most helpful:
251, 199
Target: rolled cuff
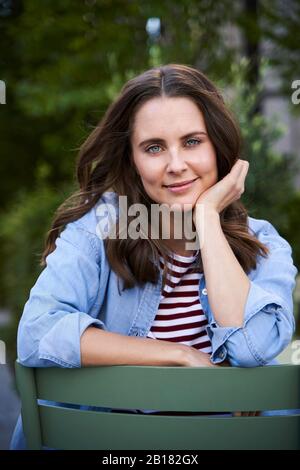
267, 329
61, 345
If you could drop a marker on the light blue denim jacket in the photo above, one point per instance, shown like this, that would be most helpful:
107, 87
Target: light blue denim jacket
77, 289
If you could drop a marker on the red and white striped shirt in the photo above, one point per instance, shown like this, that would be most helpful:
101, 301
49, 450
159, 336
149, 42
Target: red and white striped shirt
180, 317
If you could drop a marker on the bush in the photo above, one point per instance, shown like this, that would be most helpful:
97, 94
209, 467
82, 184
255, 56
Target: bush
269, 183
22, 234
291, 229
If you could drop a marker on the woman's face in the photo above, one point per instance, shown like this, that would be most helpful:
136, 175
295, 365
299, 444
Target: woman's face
177, 149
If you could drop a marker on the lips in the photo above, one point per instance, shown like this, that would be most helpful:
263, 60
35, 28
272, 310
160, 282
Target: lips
182, 183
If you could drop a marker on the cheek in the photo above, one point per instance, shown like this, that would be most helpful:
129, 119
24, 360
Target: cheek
207, 162
149, 179
151, 174
206, 168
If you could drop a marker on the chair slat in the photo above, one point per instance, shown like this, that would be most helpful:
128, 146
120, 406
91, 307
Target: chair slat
174, 388
76, 429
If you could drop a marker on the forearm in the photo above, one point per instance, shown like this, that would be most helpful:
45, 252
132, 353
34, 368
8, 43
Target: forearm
99, 347
227, 284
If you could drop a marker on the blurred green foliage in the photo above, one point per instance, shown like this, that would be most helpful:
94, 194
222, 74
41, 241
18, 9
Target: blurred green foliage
22, 234
269, 185
22, 231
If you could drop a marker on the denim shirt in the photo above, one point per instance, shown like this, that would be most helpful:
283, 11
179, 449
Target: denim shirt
77, 289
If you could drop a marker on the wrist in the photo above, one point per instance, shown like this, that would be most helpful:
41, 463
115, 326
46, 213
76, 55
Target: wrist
203, 212
207, 222
182, 353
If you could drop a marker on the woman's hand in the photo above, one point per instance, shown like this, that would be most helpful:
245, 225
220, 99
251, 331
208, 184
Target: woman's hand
195, 358
225, 191
238, 414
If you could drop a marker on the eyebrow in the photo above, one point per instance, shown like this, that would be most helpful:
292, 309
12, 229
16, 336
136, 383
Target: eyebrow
158, 139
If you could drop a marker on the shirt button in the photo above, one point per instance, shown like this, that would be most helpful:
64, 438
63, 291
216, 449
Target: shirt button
222, 355
204, 291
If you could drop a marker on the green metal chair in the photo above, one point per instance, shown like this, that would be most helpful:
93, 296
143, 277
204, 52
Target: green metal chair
160, 388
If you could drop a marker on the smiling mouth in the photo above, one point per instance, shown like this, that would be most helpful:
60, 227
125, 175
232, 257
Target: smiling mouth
179, 185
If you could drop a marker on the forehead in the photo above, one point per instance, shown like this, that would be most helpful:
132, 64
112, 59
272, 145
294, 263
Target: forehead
160, 115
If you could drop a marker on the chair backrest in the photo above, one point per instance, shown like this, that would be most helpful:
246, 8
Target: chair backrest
221, 389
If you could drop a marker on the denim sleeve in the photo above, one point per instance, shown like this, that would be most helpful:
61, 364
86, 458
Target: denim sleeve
57, 311
268, 316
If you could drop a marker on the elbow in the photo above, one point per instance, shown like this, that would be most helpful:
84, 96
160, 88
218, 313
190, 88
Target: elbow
28, 354
262, 338
29, 349
240, 355
45, 344
28, 361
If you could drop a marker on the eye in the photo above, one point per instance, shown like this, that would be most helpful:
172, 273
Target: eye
152, 147
195, 140
189, 140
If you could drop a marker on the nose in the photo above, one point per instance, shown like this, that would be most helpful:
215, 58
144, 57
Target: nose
176, 162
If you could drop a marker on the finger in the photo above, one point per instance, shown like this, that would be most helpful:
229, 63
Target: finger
245, 172
254, 413
237, 174
240, 165
245, 169
240, 181
237, 168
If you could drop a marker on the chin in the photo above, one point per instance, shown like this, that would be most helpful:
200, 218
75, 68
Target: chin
182, 206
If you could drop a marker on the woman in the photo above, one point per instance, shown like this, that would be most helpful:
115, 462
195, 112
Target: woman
219, 293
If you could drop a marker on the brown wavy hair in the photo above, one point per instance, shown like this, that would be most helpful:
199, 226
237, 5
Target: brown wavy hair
105, 163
